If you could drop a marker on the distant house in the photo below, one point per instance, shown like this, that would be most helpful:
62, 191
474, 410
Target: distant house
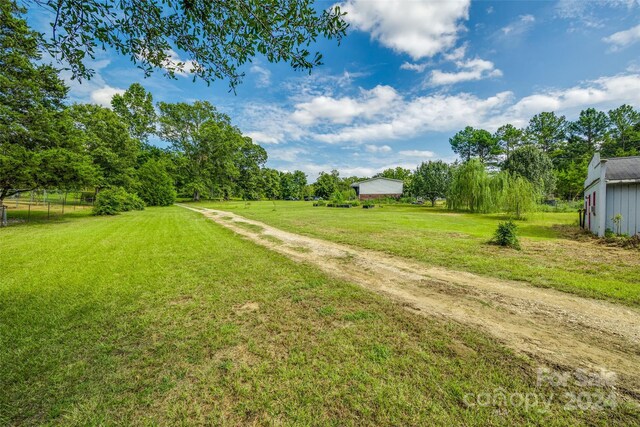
612, 187
376, 188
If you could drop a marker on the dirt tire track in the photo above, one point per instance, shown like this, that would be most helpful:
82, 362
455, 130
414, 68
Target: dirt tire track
550, 326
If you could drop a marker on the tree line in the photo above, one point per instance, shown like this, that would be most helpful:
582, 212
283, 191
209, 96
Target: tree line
513, 169
46, 143
551, 141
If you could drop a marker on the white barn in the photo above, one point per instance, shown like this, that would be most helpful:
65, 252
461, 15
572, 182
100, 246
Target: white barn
376, 188
612, 187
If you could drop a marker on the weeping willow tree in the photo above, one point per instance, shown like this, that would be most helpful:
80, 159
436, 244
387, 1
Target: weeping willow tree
476, 190
471, 188
514, 194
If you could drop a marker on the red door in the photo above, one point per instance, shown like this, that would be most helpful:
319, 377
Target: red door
589, 211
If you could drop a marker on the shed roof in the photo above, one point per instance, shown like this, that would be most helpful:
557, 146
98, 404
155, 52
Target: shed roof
623, 168
357, 184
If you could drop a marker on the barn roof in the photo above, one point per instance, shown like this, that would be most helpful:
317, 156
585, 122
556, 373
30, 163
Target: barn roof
623, 168
357, 184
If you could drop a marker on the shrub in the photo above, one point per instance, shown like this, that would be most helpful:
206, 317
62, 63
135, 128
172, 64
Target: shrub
112, 201
320, 203
505, 235
349, 194
337, 198
131, 202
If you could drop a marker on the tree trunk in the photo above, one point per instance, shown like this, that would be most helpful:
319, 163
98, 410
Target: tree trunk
433, 202
196, 196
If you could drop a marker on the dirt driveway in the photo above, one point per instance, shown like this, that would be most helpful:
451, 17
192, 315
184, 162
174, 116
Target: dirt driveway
552, 327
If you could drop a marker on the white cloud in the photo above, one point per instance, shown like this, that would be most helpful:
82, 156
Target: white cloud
449, 113
473, 69
179, 66
520, 26
344, 110
586, 14
418, 28
604, 93
103, 95
377, 148
93, 91
413, 67
622, 39
263, 137
263, 76
417, 153
425, 113
633, 68
301, 89
456, 54
289, 154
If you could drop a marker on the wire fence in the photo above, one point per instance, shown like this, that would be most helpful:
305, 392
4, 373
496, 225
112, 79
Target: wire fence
42, 206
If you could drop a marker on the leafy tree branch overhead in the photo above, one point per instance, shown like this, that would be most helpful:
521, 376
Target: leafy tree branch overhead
217, 36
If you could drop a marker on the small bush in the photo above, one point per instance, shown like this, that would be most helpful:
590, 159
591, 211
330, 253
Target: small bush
320, 203
112, 201
349, 194
505, 235
337, 198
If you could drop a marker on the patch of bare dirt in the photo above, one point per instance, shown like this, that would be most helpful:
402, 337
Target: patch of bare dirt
550, 326
247, 308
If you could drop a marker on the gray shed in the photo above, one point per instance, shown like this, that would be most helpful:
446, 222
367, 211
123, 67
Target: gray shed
376, 188
612, 187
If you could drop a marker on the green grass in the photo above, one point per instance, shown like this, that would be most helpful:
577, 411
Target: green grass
251, 227
459, 241
164, 317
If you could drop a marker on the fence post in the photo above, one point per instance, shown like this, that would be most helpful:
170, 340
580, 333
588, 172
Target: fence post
64, 200
48, 210
29, 213
3, 216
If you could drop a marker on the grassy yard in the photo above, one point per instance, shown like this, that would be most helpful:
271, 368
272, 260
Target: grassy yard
459, 241
163, 317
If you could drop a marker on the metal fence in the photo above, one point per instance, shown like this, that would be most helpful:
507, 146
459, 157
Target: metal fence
41, 206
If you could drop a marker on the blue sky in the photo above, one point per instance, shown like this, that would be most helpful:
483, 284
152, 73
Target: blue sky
412, 73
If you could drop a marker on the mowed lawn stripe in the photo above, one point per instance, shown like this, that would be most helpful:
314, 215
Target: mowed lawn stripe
164, 317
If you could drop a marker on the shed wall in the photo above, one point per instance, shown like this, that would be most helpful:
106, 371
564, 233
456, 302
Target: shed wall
380, 187
624, 199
